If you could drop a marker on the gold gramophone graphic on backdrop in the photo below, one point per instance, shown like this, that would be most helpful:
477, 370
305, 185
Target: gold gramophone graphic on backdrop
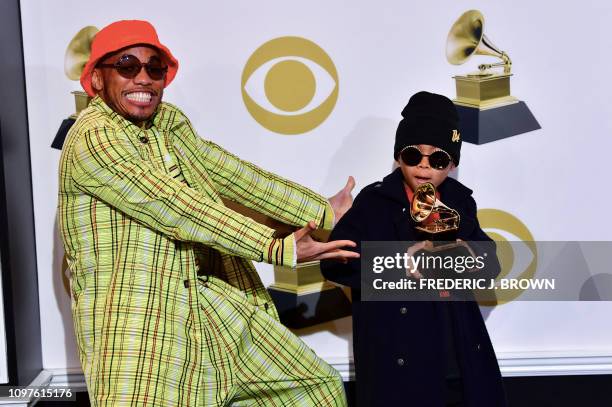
77, 54
75, 58
486, 108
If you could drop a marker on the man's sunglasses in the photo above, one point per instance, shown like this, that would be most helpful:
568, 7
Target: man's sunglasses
438, 160
129, 67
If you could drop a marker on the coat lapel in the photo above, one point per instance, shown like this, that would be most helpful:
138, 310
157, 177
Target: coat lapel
392, 188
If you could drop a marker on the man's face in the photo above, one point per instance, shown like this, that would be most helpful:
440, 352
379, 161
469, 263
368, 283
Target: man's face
137, 98
423, 172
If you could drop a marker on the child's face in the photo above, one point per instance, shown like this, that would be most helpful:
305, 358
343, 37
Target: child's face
423, 172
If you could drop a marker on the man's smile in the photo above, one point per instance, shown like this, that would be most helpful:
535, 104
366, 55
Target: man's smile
140, 98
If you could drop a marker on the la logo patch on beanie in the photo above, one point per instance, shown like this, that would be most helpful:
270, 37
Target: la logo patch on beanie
456, 136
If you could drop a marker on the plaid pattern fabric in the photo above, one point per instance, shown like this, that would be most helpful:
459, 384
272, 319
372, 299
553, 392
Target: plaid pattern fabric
269, 365
139, 236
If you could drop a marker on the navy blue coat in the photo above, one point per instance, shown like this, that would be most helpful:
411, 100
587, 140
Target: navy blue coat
400, 347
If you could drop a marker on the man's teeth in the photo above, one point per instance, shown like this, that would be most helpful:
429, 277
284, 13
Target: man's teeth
142, 97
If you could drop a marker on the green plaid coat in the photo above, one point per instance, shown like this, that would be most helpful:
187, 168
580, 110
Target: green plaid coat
141, 218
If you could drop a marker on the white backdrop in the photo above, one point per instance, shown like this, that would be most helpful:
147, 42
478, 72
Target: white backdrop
383, 52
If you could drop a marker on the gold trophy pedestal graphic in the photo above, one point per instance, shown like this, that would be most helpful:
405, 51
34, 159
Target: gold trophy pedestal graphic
483, 92
81, 101
301, 294
486, 108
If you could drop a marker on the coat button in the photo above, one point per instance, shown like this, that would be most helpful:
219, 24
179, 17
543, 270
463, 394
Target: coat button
403, 310
400, 362
478, 347
144, 140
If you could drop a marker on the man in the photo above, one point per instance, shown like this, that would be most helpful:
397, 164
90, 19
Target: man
168, 308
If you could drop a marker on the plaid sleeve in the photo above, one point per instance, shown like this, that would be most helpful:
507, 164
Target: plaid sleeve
329, 218
270, 194
107, 166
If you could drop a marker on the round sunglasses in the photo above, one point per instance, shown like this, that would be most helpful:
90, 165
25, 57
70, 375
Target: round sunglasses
412, 156
129, 66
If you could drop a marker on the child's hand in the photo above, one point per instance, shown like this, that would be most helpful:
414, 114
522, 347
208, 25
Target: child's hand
343, 200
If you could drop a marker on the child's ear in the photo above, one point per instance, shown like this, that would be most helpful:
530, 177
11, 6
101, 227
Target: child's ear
396, 164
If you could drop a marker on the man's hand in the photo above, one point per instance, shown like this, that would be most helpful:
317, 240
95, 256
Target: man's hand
343, 200
308, 249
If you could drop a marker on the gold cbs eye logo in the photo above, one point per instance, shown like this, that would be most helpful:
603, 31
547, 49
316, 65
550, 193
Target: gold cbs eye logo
289, 85
494, 221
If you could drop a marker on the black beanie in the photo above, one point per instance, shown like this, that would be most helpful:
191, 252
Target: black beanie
429, 119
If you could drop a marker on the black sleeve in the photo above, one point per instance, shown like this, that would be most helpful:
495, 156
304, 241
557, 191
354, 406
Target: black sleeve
352, 226
492, 266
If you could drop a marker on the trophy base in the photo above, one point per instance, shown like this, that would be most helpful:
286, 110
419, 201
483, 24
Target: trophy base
445, 250
81, 101
480, 126
304, 310
60, 136
438, 238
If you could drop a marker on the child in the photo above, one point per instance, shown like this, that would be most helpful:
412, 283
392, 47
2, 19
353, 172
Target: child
418, 353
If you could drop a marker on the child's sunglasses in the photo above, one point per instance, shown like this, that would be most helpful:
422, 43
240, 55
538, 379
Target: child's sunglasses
412, 156
128, 66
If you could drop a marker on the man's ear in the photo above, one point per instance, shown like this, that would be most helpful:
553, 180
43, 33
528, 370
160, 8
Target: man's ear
97, 81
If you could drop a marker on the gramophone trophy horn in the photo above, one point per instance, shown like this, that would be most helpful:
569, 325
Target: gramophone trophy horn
487, 110
75, 58
77, 54
432, 216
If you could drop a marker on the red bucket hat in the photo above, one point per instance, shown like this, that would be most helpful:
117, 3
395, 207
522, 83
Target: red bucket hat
122, 34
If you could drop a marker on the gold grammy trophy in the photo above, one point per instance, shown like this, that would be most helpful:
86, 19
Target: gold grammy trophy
486, 108
77, 54
437, 223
